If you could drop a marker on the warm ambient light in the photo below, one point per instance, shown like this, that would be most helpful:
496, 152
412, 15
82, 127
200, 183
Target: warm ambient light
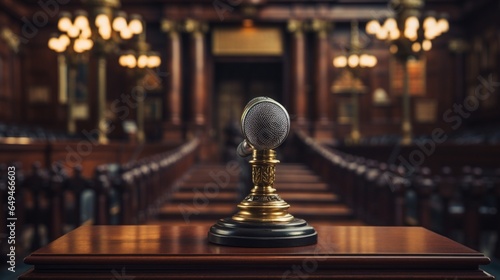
393, 49
64, 22
80, 33
394, 34
81, 20
426, 45
430, 27
136, 25
354, 60
247, 23
416, 47
130, 60
367, 60
119, 22
372, 27
340, 62
390, 24
382, 34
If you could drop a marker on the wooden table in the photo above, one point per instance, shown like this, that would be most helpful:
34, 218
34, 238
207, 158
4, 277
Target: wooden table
182, 252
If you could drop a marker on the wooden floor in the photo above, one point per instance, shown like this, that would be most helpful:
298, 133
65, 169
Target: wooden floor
208, 192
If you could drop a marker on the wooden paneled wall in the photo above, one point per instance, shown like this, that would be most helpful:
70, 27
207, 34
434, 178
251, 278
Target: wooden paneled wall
36, 65
85, 153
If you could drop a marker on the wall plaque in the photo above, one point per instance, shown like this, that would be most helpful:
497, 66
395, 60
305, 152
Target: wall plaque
247, 41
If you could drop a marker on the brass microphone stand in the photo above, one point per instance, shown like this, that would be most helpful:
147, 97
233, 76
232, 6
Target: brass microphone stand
263, 219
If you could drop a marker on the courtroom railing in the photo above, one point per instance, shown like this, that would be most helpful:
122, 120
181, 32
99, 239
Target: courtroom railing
463, 204
50, 202
145, 185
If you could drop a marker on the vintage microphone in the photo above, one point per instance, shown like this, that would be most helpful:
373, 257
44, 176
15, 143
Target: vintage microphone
265, 124
263, 219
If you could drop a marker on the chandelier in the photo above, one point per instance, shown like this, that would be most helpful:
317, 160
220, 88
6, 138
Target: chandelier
77, 35
101, 30
408, 33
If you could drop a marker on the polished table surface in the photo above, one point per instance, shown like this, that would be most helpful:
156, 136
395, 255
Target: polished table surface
182, 252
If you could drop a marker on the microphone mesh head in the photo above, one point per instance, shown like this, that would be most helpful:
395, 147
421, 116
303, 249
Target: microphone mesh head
265, 123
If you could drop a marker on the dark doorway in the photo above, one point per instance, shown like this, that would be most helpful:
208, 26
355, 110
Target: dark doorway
238, 82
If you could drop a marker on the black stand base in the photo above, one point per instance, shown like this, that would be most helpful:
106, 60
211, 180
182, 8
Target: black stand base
242, 234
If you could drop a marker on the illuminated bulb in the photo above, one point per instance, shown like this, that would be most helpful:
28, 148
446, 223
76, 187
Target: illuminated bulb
372, 61
126, 33
429, 23
394, 34
372, 27
393, 49
411, 34
353, 60
364, 60
416, 47
340, 62
131, 61
154, 61
430, 34
105, 32
61, 48
426, 45
142, 61
64, 24
79, 46
390, 24
123, 60
86, 32
87, 44
101, 20
382, 34
135, 26
81, 22
73, 31
53, 43
443, 25
119, 23
64, 39
412, 23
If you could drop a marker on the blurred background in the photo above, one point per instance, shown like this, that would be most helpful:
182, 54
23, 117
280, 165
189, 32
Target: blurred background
127, 112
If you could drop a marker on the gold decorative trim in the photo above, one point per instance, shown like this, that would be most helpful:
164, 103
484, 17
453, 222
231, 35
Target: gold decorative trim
263, 204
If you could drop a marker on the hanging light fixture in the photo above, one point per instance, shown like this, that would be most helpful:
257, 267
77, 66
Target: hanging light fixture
410, 34
101, 30
78, 28
355, 60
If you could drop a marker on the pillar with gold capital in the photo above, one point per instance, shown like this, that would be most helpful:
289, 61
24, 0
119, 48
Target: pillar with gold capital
172, 129
323, 124
199, 92
298, 75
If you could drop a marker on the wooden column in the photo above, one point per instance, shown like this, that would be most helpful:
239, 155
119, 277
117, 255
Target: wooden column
322, 125
172, 128
198, 72
298, 75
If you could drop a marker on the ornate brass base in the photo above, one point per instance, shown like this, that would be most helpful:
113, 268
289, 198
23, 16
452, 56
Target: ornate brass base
263, 204
263, 219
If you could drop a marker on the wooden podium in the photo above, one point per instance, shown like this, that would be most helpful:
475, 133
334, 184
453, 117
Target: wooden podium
182, 252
